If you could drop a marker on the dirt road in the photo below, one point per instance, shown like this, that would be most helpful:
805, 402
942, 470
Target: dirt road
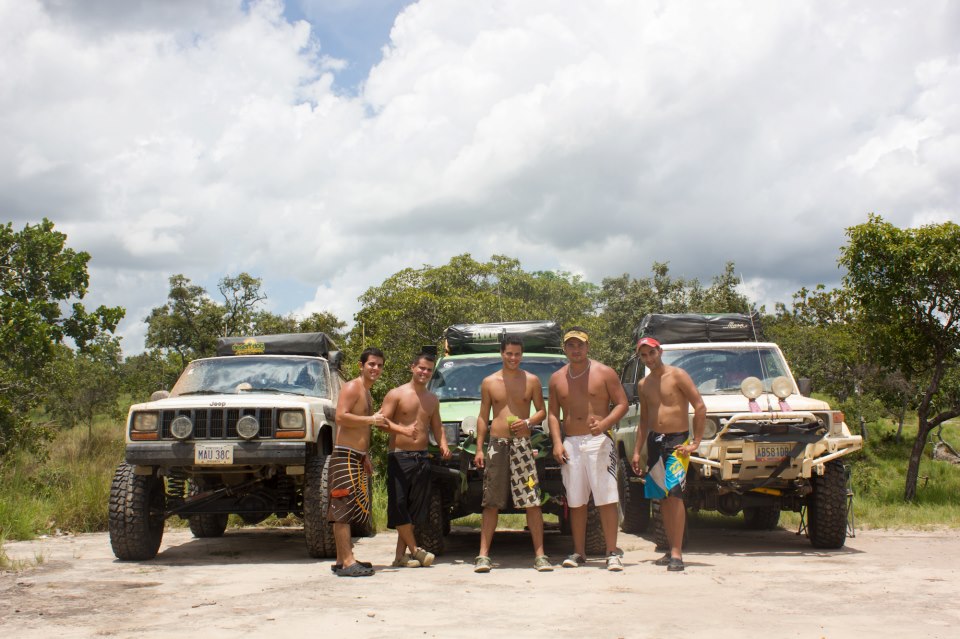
255, 582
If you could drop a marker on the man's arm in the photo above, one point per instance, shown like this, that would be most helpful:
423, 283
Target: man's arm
617, 397
349, 396
553, 421
482, 422
538, 405
436, 426
690, 391
642, 429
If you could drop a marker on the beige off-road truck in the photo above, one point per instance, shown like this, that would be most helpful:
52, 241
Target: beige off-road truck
767, 445
246, 432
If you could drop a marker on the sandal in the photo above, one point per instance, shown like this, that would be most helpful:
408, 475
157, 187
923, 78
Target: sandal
675, 564
336, 567
355, 569
482, 564
663, 561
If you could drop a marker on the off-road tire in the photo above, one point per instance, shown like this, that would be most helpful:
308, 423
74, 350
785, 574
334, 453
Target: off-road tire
365, 529
761, 517
429, 534
205, 525
595, 543
827, 508
317, 531
659, 532
135, 520
634, 507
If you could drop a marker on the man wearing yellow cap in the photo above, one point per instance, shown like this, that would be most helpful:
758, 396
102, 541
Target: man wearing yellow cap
583, 391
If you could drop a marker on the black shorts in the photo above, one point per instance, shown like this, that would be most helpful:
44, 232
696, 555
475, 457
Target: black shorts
408, 487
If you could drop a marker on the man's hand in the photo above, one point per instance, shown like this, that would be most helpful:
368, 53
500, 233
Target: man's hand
687, 449
520, 428
368, 465
635, 464
478, 458
595, 425
445, 451
559, 453
378, 419
409, 431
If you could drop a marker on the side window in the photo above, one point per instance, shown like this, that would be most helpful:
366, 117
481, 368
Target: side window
629, 375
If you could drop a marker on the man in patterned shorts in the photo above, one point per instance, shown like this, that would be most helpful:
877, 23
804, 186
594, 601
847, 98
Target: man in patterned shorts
509, 466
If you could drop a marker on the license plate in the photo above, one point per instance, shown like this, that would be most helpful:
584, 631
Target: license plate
213, 454
772, 452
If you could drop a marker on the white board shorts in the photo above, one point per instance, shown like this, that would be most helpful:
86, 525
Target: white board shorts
591, 468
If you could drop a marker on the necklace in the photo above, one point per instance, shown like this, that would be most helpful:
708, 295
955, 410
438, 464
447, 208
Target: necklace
580, 374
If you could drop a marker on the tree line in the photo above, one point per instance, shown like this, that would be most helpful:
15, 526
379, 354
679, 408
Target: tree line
883, 344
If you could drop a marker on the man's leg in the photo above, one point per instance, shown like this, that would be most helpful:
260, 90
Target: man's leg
578, 529
535, 524
341, 534
674, 517
609, 521
406, 541
488, 526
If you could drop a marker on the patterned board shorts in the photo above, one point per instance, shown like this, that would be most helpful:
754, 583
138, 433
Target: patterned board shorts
349, 491
666, 470
510, 471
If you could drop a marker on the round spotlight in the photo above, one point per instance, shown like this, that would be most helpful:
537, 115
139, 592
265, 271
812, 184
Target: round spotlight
710, 428
751, 387
181, 427
248, 427
782, 387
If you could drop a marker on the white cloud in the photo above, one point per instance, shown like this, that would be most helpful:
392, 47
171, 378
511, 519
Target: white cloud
207, 138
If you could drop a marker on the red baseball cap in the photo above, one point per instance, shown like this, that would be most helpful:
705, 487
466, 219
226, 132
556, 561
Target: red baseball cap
648, 341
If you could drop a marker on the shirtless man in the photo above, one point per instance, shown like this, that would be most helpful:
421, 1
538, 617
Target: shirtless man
350, 465
409, 411
510, 466
584, 389
666, 395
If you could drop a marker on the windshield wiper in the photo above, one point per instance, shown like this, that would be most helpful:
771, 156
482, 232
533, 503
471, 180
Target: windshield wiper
461, 398
200, 392
268, 390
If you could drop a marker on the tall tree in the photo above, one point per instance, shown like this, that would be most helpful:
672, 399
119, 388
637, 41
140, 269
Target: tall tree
40, 279
907, 283
84, 384
188, 324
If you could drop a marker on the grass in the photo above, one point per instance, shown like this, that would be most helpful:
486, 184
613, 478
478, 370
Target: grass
69, 491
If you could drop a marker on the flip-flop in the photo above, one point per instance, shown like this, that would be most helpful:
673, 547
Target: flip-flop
663, 561
336, 567
355, 569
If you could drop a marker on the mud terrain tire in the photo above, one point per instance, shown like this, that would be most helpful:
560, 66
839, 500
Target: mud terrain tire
827, 508
135, 519
761, 517
659, 532
429, 534
633, 505
318, 532
206, 525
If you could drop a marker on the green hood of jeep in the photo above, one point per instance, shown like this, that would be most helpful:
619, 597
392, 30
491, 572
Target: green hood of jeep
455, 411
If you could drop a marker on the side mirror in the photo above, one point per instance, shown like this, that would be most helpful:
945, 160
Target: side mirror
336, 359
805, 386
160, 394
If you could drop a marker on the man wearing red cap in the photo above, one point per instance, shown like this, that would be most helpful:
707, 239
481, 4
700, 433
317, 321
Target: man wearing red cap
666, 395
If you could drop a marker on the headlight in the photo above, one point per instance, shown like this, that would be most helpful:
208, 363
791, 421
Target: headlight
181, 427
145, 422
710, 428
751, 387
248, 427
292, 420
782, 387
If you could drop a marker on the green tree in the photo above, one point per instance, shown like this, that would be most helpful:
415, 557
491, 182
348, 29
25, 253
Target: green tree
41, 281
412, 307
143, 374
241, 297
188, 324
85, 383
907, 285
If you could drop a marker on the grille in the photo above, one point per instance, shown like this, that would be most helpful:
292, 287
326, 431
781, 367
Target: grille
220, 423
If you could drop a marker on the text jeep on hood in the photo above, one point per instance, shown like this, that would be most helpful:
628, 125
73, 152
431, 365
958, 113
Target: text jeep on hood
246, 432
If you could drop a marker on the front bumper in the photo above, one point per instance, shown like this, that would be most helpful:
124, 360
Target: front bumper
245, 453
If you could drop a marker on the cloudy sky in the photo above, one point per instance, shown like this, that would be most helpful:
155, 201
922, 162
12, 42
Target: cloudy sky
325, 144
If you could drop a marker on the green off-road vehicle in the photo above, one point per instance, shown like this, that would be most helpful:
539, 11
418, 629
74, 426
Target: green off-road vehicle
767, 446
247, 432
471, 353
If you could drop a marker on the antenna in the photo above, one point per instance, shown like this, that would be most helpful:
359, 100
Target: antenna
756, 340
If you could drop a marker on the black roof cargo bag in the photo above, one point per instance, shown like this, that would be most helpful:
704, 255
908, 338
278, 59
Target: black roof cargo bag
537, 336
680, 328
315, 344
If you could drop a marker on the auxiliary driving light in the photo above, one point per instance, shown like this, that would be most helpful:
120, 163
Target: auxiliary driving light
751, 387
782, 387
248, 427
181, 427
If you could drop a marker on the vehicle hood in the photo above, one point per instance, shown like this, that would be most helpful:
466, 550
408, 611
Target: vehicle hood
455, 411
247, 400
768, 401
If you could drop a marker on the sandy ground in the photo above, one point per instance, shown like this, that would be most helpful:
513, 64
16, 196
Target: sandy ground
256, 581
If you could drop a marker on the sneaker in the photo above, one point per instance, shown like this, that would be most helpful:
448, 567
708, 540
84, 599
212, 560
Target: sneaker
406, 561
573, 561
482, 564
613, 562
663, 561
542, 564
424, 557
675, 565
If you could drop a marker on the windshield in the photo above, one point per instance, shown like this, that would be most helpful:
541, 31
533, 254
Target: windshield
252, 374
459, 379
719, 371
